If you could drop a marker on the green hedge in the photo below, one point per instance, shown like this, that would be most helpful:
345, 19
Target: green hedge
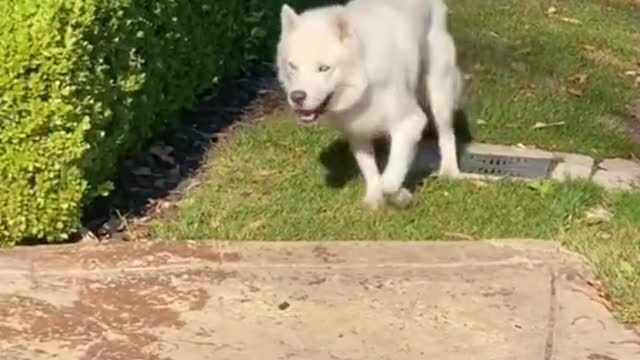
84, 82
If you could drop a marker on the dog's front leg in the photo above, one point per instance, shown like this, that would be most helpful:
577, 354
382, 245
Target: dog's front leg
404, 144
365, 157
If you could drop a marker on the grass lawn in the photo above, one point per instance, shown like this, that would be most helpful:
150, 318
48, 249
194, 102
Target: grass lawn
528, 63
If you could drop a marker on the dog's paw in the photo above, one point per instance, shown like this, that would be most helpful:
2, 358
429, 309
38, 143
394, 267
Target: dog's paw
373, 201
449, 172
401, 198
391, 185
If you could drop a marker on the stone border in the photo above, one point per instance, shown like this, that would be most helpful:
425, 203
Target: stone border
612, 174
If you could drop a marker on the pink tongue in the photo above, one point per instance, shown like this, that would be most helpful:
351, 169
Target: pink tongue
307, 115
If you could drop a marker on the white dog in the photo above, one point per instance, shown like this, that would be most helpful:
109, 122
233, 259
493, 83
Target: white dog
373, 66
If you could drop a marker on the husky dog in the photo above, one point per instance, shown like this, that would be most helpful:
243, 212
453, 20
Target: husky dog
374, 66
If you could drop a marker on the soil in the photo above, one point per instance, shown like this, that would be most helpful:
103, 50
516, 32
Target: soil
149, 182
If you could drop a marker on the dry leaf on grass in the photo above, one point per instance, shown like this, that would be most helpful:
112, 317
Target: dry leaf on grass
541, 125
580, 79
262, 175
552, 11
570, 20
577, 85
607, 58
604, 236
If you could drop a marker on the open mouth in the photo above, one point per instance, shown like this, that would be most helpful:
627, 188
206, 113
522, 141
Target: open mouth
309, 116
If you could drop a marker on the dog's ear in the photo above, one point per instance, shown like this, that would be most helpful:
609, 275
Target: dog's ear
344, 28
288, 18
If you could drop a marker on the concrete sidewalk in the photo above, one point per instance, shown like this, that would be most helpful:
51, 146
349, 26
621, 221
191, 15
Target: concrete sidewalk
521, 300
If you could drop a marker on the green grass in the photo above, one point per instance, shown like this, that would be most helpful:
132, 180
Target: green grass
274, 180
278, 181
520, 59
613, 247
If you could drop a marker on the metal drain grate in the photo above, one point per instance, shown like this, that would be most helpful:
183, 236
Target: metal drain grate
501, 165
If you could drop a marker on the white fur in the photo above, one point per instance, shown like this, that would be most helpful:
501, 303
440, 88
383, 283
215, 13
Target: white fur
381, 62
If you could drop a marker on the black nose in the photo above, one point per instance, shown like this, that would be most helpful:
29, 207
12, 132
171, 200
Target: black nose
298, 96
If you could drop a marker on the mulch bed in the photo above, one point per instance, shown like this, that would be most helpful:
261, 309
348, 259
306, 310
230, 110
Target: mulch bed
149, 182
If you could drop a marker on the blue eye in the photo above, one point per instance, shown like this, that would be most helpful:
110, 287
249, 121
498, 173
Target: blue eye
324, 68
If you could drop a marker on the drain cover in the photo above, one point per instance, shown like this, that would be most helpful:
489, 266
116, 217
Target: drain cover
502, 165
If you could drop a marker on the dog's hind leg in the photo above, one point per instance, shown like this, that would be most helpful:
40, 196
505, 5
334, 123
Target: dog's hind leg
444, 86
442, 106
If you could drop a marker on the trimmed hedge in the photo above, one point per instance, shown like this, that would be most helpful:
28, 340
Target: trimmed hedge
84, 82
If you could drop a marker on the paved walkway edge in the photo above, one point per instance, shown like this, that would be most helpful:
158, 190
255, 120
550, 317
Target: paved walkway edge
505, 299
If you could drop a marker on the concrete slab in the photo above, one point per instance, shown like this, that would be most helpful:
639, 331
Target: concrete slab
340, 300
572, 166
618, 174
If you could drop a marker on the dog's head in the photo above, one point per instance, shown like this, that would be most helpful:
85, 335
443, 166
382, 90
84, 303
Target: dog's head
318, 62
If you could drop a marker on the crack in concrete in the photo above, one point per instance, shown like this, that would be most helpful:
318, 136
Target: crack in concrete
594, 169
551, 322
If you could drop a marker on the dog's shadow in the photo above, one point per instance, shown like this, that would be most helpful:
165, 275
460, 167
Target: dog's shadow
342, 168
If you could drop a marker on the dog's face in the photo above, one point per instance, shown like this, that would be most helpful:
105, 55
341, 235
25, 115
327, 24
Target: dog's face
315, 62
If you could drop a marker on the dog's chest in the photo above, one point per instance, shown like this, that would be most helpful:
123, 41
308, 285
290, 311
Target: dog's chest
366, 124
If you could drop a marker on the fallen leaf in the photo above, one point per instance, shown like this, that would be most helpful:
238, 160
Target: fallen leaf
579, 79
570, 20
575, 92
494, 34
481, 122
88, 236
552, 10
262, 175
163, 153
541, 125
578, 84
